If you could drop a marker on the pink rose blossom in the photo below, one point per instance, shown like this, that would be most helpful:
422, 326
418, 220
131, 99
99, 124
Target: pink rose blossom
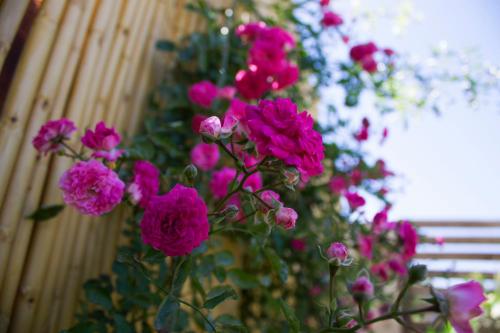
202, 93
50, 135
267, 56
338, 184
103, 141
388, 52
358, 52
250, 31
380, 221
365, 244
362, 288
355, 200
362, 135
278, 36
175, 223
369, 64
205, 155
253, 183
285, 77
220, 182
91, 187
145, 183
385, 134
409, 237
356, 176
298, 244
271, 198
211, 127
252, 84
439, 240
464, 303
337, 251
381, 271
226, 92
397, 265
278, 130
286, 217
331, 19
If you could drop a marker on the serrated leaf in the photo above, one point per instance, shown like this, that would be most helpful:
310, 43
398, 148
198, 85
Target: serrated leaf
290, 316
46, 212
218, 295
243, 279
166, 317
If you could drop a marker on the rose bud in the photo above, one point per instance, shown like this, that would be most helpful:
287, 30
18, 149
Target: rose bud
286, 217
362, 289
211, 127
337, 252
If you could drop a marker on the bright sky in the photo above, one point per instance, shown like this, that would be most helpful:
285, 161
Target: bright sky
450, 164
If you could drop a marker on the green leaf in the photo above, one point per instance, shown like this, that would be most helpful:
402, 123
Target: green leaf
231, 324
121, 324
98, 293
290, 316
166, 317
218, 295
224, 258
182, 273
153, 256
243, 279
165, 45
45, 212
277, 264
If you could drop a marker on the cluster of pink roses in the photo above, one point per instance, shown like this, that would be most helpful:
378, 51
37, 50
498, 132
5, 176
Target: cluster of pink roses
268, 66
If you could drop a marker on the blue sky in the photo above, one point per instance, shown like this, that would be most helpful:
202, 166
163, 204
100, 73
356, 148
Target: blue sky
449, 164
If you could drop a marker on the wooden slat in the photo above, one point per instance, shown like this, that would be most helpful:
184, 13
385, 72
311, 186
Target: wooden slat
456, 224
474, 256
464, 240
463, 274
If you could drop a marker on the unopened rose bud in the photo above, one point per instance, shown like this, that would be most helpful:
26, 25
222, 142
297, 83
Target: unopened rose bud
135, 194
337, 252
190, 173
231, 211
286, 217
271, 198
362, 289
211, 127
291, 176
417, 273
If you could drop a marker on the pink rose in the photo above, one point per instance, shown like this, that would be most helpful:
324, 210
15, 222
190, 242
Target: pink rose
380, 270
362, 135
397, 265
362, 288
202, 93
464, 303
252, 84
278, 36
285, 77
271, 198
175, 223
253, 183
250, 31
211, 127
337, 184
356, 176
331, 19
337, 251
91, 187
369, 64
358, 52
205, 155
286, 217
103, 141
439, 240
409, 237
267, 57
145, 183
380, 221
278, 130
365, 244
226, 92
298, 244
355, 200
220, 182
52, 134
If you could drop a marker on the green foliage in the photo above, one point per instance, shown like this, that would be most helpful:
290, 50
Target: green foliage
46, 213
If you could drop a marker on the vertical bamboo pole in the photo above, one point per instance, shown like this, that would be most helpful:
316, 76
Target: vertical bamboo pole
44, 235
11, 15
22, 177
22, 93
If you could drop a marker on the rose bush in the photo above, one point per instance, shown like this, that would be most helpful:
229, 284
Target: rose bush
228, 155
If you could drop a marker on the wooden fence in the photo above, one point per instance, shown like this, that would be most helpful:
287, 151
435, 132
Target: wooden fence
86, 60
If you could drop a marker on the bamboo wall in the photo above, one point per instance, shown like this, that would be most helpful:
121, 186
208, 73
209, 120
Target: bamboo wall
87, 60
